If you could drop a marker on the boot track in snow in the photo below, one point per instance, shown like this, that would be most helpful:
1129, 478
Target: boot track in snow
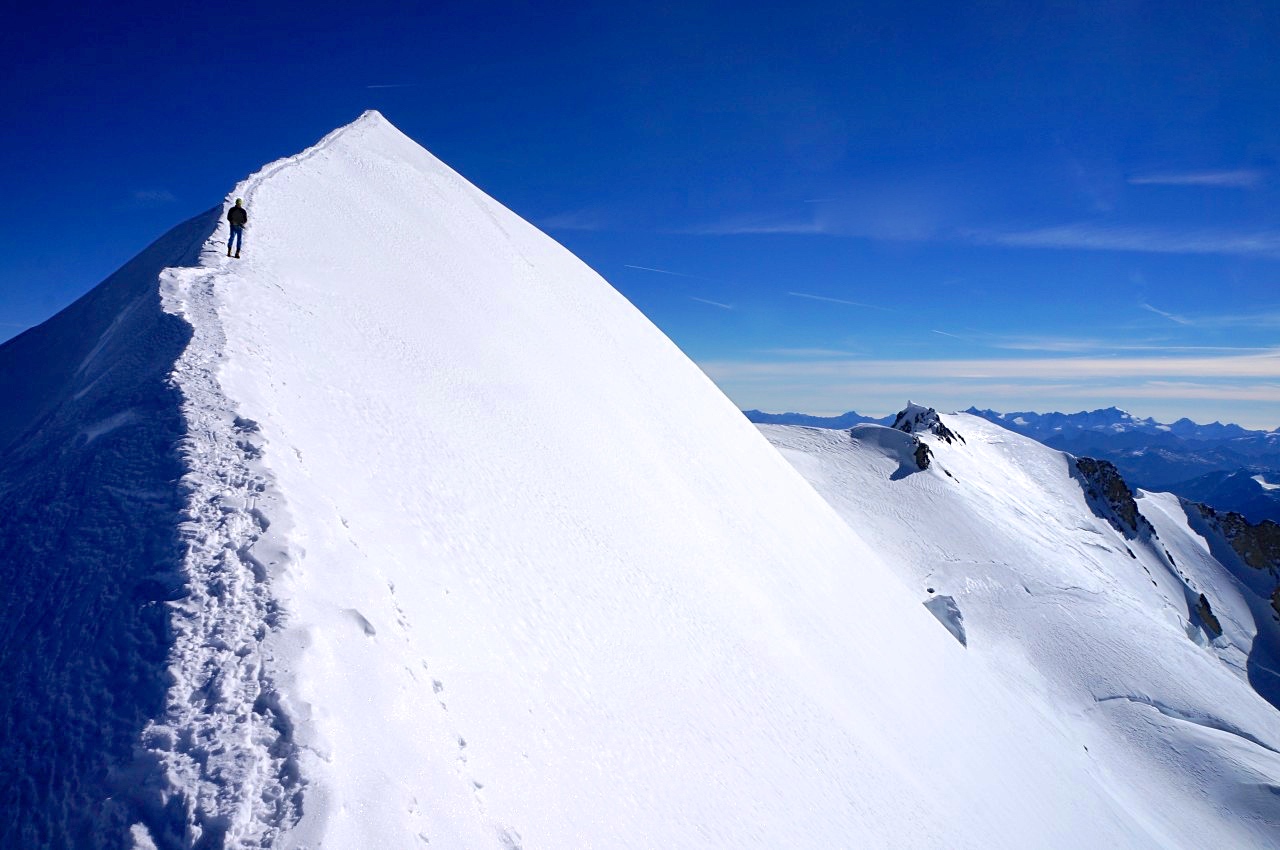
225, 744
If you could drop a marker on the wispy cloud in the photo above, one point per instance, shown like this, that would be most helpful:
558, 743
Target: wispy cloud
809, 352
1265, 364
1240, 388
712, 303
1170, 316
1054, 344
1192, 389
1264, 317
1094, 345
1095, 237
921, 224
1244, 178
840, 301
944, 333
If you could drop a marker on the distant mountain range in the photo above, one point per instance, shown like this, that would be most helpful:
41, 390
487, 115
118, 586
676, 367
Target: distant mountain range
1227, 467
844, 420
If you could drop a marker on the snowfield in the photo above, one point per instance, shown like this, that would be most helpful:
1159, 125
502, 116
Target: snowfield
1095, 619
437, 541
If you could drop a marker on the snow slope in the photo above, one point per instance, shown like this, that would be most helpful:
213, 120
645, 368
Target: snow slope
453, 546
528, 604
1096, 621
90, 500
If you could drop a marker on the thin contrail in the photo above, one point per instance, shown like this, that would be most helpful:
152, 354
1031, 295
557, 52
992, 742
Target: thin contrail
1170, 316
394, 86
840, 301
666, 271
712, 303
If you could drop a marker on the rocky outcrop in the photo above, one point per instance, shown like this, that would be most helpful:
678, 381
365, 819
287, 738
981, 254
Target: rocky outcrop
1110, 496
1207, 617
916, 419
922, 455
1257, 545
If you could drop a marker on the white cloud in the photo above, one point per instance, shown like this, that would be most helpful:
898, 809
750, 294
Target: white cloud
1263, 365
1250, 403
1264, 317
810, 352
1087, 236
1095, 237
1238, 179
1095, 345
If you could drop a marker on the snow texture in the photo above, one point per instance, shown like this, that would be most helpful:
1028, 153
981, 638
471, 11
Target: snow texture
1100, 623
407, 529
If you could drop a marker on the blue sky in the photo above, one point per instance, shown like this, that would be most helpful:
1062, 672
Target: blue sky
1007, 204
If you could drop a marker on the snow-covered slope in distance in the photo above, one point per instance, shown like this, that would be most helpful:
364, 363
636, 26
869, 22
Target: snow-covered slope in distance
1096, 622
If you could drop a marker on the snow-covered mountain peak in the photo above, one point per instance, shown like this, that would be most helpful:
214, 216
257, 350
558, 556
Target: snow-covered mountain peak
406, 527
916, 419
368, 126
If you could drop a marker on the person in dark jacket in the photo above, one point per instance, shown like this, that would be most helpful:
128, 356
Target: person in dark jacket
238, 218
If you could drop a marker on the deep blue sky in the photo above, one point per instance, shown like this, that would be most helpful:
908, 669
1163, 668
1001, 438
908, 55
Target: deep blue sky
1009, 204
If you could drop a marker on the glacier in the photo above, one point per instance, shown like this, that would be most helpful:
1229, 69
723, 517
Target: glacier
407, 529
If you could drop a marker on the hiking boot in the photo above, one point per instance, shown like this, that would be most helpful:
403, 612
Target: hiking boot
237, 255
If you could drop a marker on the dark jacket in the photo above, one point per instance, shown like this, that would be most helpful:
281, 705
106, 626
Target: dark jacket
238, 216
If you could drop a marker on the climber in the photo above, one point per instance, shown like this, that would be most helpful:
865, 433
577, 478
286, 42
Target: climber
238, 218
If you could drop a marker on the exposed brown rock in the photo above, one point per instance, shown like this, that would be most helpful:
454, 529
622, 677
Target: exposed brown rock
914, 419
1103, 482
1257, 545
1207, 617
923, 455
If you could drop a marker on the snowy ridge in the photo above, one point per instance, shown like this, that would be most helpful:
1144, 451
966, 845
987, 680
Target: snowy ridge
444, 562
574, 619
224, 741
1121, 610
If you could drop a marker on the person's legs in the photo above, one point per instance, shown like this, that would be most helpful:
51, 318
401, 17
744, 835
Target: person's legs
236, 240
